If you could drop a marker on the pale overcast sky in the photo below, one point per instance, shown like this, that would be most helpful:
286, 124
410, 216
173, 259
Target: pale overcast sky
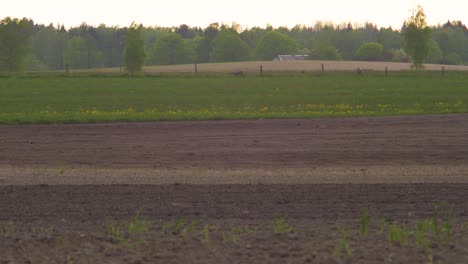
250, 13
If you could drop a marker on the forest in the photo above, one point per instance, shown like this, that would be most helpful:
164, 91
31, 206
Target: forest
25, 45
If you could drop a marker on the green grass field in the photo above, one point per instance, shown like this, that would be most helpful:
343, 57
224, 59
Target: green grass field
83, 99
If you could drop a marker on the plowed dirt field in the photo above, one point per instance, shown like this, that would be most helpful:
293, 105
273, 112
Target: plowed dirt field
267, 191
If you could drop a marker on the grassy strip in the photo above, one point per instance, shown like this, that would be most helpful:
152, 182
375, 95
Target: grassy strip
88, 99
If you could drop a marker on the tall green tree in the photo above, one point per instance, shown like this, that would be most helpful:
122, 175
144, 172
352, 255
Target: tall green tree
275, 43
170, 49
49, 45
82, 53
227, 46
417, 37
76, 55
14, 43
370, 51
435, 54
135, 49
203, 45
325, 52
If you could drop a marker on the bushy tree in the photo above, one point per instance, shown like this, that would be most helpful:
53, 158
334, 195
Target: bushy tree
417, 36
76, 56
435, 54
134, 49
453, 59
326, 52
399, 55
82, 53
170, 49
275, 43
370, 51
227, 46
14, 43
203, 43
49, 45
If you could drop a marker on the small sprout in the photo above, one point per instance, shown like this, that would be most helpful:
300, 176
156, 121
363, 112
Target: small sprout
175, 228
448, 226
188, 230
421, 233
8, 229
364, 223
342, 244
435, 223
230, 237
115, 232
206, 233
61, 170
398, 235
47, 231
59, 240
138, 225
280, 226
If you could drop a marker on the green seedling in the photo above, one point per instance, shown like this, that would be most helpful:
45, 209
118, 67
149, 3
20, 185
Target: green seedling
116, 232
47, 231
342, 244
280, 226
384, 224
175, 228
448, 226
8, 229
421, 233
364, 223
59, 241
69, 259
138, 225
61, 170
188, 230
230, 237
398, 235
435, 223
207, 229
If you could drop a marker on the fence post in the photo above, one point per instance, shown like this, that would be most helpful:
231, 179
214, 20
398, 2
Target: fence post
196, 67
261, 69
386, 71
443, 71
323, 68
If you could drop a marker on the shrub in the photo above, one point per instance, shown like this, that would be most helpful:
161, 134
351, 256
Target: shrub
370, 51
325, 53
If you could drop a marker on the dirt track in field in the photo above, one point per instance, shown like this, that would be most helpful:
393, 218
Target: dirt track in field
286, 66
318, 174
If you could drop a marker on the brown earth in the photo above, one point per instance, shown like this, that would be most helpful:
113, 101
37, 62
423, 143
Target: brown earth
285, 66
62, 186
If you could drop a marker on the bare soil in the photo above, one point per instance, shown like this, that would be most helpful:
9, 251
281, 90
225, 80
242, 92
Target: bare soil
287, 66
62, 188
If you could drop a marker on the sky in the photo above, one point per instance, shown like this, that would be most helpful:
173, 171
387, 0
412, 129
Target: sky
247, 13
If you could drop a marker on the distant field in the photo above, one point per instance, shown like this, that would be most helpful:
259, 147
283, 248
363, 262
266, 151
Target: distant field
287, 66
102, 98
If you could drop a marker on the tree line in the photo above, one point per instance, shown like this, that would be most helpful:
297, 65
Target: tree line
25, 45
